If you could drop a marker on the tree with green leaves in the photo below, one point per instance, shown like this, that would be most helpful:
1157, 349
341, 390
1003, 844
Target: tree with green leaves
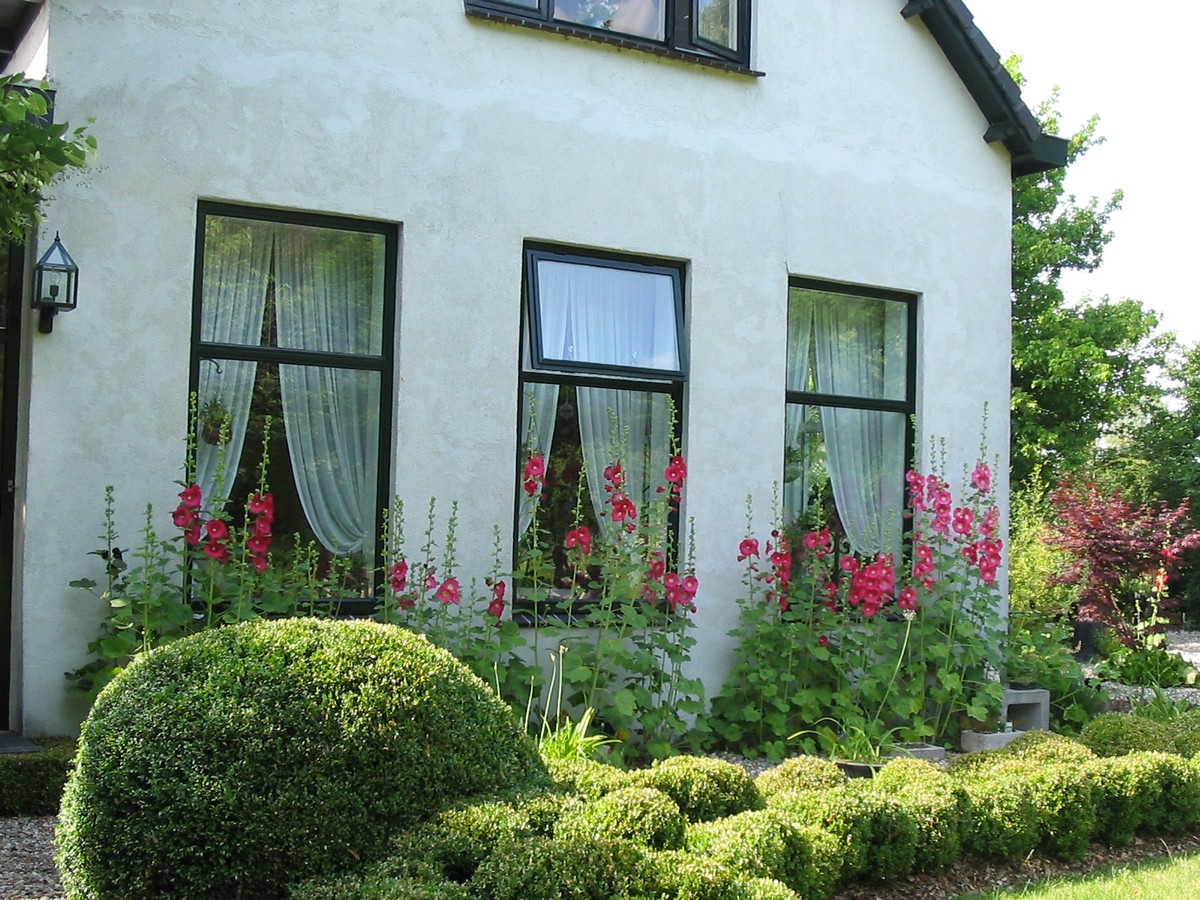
33, 153
1079, 366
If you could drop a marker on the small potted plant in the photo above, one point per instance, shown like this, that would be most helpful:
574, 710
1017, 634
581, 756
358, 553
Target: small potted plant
214, 419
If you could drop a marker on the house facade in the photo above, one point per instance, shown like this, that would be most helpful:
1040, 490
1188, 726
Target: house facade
434, 233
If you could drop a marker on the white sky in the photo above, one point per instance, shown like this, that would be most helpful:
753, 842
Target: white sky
1134, 65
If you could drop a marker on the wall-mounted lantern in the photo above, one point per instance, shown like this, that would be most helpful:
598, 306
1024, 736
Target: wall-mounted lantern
56, 286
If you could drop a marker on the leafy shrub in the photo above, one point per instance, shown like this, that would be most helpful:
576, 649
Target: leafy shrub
1002, 815
240, 759
583, 868
587, 778
934, 802
1045, 746
1038, 650
764, 843
704, 788
456, 841
1185, 732
380, 887
1115, 734
32, 783
1127, 792
800, 773
643, 815
1146, 666
878, 838
1178, 810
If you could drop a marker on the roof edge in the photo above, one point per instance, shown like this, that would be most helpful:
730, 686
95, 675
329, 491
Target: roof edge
993, 89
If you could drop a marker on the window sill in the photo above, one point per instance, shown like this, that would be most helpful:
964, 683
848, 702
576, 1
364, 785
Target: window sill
626, 42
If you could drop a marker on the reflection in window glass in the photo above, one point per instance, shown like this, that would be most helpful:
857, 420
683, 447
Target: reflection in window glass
640, 18
717, 22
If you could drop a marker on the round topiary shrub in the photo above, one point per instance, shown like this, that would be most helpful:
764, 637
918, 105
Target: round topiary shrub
643, 815
800, 773
586, 777
704, 788
1045, 746
1115, 734
238, 760
934, 801
582, 868
1128, 794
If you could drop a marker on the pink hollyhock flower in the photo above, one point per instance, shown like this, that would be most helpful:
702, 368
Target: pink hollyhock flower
216, 550
963, 520
217, 529
430, 582
657, 568
823, 641
907, 599
496, 607
191, 496
262, 505
259, 563
580, 537
449, 591
398, 578
535, 468
990, 521
848, 564
676, 470
258, 544
981, 478
690, 585
262, 525
193, 533
623, 508
747, 549
184, 516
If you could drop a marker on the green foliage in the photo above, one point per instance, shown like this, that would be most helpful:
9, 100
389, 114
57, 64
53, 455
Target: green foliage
1146, 666
1077, 367
1032, 593
380, 887
1127, 793
1115, 734
1002, 814
1037, 651
587, 778
32, 783
819, 661
1047, 747
33, 154
644, 815
765, 843
685, 876
933, 801
800, 773
583, 868
240, 759
570, 740
704, 788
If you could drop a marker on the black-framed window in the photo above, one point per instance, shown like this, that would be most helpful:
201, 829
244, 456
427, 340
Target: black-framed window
703, 29
603, 368
851, 396
293, 324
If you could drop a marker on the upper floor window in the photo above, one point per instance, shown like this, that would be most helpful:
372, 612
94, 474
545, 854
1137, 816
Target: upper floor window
716, 29
292, 368
850, 399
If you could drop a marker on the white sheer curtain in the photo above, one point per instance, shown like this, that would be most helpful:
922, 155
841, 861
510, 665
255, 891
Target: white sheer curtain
237, 263
539, 411
328, 288
622, 318
854, 345
799, 353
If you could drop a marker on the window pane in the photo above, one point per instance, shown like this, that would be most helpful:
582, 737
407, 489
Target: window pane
641, 18
858, 346
322, 457
604, 316
844, 468
294, 286
717, 22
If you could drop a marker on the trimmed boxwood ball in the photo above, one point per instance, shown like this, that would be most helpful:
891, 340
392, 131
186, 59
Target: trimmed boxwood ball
800, 773
583, 868
1114, 734
934, 802
237, 760
704, 788
643, 815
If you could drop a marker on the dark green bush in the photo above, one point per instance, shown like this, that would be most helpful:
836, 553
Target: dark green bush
704, 788
583, 868
587, 778
235, 761
1178, 810
934, 802
1045, 746
1002, 816
766, 844
32, 783
380, 887
878, 838
1185, 733
643, 815
1128, 792
800, 773
1115, 734
686, 876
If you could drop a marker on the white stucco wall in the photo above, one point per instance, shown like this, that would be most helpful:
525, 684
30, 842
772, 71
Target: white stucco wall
857, 158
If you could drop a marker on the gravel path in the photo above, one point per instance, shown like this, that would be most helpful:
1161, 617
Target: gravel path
27, 870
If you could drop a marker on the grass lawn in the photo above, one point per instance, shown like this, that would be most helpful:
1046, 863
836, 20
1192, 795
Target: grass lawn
1169, 878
